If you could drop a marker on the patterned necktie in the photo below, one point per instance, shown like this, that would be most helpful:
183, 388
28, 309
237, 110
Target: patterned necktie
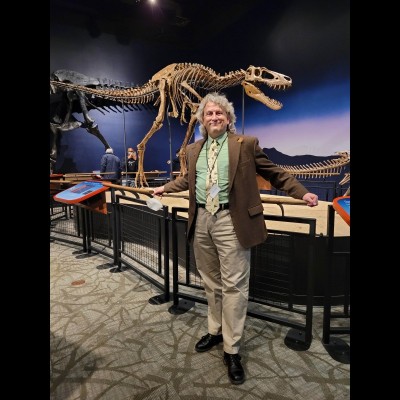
212, 203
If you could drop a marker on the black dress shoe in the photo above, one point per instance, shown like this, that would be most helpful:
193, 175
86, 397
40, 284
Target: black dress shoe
235, 369
207, 342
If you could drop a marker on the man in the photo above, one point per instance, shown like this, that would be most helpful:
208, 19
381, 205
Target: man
110, 163
130, 164
226, 219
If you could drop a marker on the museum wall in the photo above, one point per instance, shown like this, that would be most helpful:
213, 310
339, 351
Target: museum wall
308, 41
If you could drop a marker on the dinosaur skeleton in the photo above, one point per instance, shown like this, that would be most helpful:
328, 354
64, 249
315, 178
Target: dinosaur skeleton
346, 179
321, 169
178, 85
332, 167
64, 103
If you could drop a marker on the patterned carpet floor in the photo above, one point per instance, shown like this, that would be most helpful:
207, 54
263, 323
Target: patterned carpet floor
108, 342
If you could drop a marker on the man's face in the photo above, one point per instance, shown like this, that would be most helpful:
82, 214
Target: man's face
215, 119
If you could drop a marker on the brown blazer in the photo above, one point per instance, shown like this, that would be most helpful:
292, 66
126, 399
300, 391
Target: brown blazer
246, 158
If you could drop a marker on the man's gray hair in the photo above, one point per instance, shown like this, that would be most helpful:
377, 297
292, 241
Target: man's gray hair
110, 151
224, 103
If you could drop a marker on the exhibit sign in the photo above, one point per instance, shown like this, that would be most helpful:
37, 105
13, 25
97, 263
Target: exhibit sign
86, 194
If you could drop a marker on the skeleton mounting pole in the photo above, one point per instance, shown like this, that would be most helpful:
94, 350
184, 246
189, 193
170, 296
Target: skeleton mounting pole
126, 158
170, 145
242, 110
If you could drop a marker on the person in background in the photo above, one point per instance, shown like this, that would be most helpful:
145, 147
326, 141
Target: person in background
225, 219
130, 164
112, 164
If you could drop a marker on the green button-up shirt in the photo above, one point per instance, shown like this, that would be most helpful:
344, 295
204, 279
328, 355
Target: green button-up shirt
223, 170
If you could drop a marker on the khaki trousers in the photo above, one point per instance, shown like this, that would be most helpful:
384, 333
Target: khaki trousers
224, 266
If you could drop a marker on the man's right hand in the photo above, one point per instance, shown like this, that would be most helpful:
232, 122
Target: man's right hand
158, 191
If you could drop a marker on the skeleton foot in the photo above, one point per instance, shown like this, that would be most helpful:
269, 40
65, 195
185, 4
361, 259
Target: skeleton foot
141, 181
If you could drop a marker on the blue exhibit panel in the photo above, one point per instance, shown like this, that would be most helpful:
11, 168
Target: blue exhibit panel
342, 207
80, 192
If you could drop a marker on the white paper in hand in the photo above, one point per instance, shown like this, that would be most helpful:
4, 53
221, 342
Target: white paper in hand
154, 204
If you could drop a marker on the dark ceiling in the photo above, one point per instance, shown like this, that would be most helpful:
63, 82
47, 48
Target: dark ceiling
179, 22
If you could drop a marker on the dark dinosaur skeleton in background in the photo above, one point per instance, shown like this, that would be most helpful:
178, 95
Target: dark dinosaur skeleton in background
65, 102
179, 86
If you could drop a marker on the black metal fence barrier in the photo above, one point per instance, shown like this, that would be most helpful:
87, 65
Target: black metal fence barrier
284, 268
337, 348
142, 242
130, 233
64, 222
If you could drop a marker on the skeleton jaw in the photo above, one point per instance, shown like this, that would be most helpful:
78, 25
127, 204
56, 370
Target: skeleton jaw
257, 94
